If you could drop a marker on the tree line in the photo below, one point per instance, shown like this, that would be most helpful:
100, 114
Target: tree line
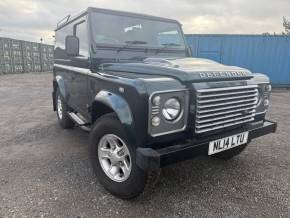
286, 26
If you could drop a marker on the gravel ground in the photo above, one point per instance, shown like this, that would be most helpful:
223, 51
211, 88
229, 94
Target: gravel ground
45, 172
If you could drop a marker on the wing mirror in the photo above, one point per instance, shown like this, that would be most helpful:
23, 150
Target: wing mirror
188, 51
72, 45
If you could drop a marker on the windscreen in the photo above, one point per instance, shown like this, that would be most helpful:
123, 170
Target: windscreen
123, 30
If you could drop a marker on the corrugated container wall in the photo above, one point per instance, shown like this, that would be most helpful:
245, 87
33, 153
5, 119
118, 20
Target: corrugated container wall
46, 57
17, 56
6, 65
260, 54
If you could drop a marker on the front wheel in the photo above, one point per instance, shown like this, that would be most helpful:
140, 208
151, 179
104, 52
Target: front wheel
113, 159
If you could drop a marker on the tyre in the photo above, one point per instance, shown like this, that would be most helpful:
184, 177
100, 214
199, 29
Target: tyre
229, 154
114, 159
62, 110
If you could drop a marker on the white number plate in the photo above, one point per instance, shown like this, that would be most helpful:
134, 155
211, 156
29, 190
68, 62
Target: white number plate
227, 143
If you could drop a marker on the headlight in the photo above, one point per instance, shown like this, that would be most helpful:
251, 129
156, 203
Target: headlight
266, 103
168, 112
171, 109
155, 121
264, 96
268, 88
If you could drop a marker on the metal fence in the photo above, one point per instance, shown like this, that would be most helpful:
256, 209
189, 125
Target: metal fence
17, 56
261, 54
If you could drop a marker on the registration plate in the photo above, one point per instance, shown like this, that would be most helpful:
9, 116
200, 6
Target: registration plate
227, 143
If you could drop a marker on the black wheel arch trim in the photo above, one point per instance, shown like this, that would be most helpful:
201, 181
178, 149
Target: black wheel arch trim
120, 107
62, 87
59, 84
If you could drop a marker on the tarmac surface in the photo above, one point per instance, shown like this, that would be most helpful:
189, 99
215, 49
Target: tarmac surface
45, 172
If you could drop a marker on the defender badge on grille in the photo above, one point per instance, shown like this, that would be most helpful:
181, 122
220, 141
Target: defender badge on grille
223, 74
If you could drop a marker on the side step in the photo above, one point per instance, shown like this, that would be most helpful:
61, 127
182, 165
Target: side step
79, 121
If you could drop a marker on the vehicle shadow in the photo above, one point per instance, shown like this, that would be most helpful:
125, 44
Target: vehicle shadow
200, 177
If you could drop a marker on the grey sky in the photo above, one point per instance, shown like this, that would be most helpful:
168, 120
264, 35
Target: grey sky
33, 19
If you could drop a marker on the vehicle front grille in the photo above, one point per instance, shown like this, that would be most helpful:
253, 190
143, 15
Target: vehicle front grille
224, 107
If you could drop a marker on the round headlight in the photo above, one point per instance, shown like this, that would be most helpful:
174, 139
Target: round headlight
268, 88
171, 109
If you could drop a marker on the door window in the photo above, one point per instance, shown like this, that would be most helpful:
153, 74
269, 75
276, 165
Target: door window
81, 33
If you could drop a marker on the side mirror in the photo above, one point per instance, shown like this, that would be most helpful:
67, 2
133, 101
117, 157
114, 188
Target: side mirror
72, 45
188, 51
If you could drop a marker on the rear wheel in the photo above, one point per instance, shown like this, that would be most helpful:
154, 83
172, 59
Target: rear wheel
229, 154
62, 110
113, 159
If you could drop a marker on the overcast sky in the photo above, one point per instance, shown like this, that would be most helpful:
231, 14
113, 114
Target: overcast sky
35, 19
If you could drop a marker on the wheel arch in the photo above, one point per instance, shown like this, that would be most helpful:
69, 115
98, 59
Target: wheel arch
108, 102
59, 84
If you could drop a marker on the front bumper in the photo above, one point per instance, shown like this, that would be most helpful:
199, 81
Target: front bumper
152, 159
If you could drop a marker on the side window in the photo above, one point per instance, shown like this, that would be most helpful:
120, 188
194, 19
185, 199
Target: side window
81, 33
59, 51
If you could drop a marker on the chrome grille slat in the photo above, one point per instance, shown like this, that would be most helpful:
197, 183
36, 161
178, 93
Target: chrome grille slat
222, 117
228, 98
225, 112
227, 88
224, 121
227, 103
223, 107
223, 126
226, 94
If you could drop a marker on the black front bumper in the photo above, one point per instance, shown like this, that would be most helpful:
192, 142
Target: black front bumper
152, 159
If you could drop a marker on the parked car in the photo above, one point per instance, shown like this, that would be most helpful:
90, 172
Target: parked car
129, 79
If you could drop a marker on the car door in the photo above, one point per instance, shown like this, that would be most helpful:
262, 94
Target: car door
80, 67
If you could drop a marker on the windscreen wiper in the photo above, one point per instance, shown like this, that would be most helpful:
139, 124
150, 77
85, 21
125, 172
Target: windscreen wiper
170, 44
132, 42
135, 42
166, 46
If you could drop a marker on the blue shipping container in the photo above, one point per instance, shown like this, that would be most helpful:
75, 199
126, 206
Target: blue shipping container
260, 54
